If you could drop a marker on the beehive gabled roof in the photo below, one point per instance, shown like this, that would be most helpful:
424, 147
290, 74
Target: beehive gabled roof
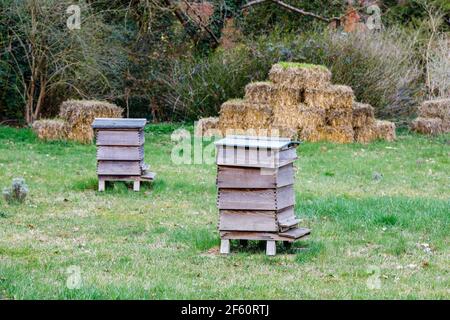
118, 123
274, 143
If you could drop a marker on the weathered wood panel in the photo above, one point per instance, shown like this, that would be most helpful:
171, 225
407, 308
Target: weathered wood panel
285, 175
256, 199
247, 199
120, 153
242, 220
296, 233
285, 196
120, 138
290, 236
245, 177
119, 168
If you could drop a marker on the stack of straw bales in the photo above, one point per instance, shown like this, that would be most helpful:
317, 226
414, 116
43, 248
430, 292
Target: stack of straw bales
75, 120
299, 101
434, 117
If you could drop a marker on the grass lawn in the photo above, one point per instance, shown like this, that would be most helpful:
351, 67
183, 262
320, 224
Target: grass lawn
379, 216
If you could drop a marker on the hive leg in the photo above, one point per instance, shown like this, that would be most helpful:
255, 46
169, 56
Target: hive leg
136, 185
271, 248
101, 185
225, 246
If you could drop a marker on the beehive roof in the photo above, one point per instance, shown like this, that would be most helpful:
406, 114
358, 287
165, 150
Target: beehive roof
118, 123
275, 143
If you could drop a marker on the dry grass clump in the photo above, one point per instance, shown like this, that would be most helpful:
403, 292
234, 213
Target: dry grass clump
299, 76
363, 115
81, 113
260, 92
330, 97
51, 129
343, 134
207, 127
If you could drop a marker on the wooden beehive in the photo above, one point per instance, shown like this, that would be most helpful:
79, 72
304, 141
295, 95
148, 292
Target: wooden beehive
120, 151
255, 180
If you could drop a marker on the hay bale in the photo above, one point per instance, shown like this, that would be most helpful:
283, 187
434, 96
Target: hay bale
282, 131
366, 134
80, 114
260, 92
51, 129
363, 115
207, 127
431, 126
309, 117
385, 130
339, 117
342, 134
287, 97
439, 108
299, 75
329, 97
239, 114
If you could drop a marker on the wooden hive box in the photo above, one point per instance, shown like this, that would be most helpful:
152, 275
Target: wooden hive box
120, 151
255, 180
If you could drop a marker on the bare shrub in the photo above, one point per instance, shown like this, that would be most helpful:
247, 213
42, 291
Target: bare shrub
17, 192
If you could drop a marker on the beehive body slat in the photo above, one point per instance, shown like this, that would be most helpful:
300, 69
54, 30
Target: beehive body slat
256, 199
120, 138
248, 220
241, 177
129, 168
120, 153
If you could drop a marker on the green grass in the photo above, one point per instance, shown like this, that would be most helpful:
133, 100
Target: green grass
162, 242
287, 65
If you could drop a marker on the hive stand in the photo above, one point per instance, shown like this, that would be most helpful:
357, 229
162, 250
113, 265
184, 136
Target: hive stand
120, 151
255, 180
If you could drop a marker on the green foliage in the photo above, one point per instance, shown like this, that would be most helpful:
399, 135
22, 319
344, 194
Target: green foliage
198, 86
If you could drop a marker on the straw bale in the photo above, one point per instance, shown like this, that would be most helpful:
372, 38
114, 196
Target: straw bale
81, 113
299, 76
287, 97
343, 134
439, 108
243, 115
363, 115
385, 130
207, 127
339, 117
428, 125
329, 97
366, 134
310, 117
283, 131
51, 129
260, 92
